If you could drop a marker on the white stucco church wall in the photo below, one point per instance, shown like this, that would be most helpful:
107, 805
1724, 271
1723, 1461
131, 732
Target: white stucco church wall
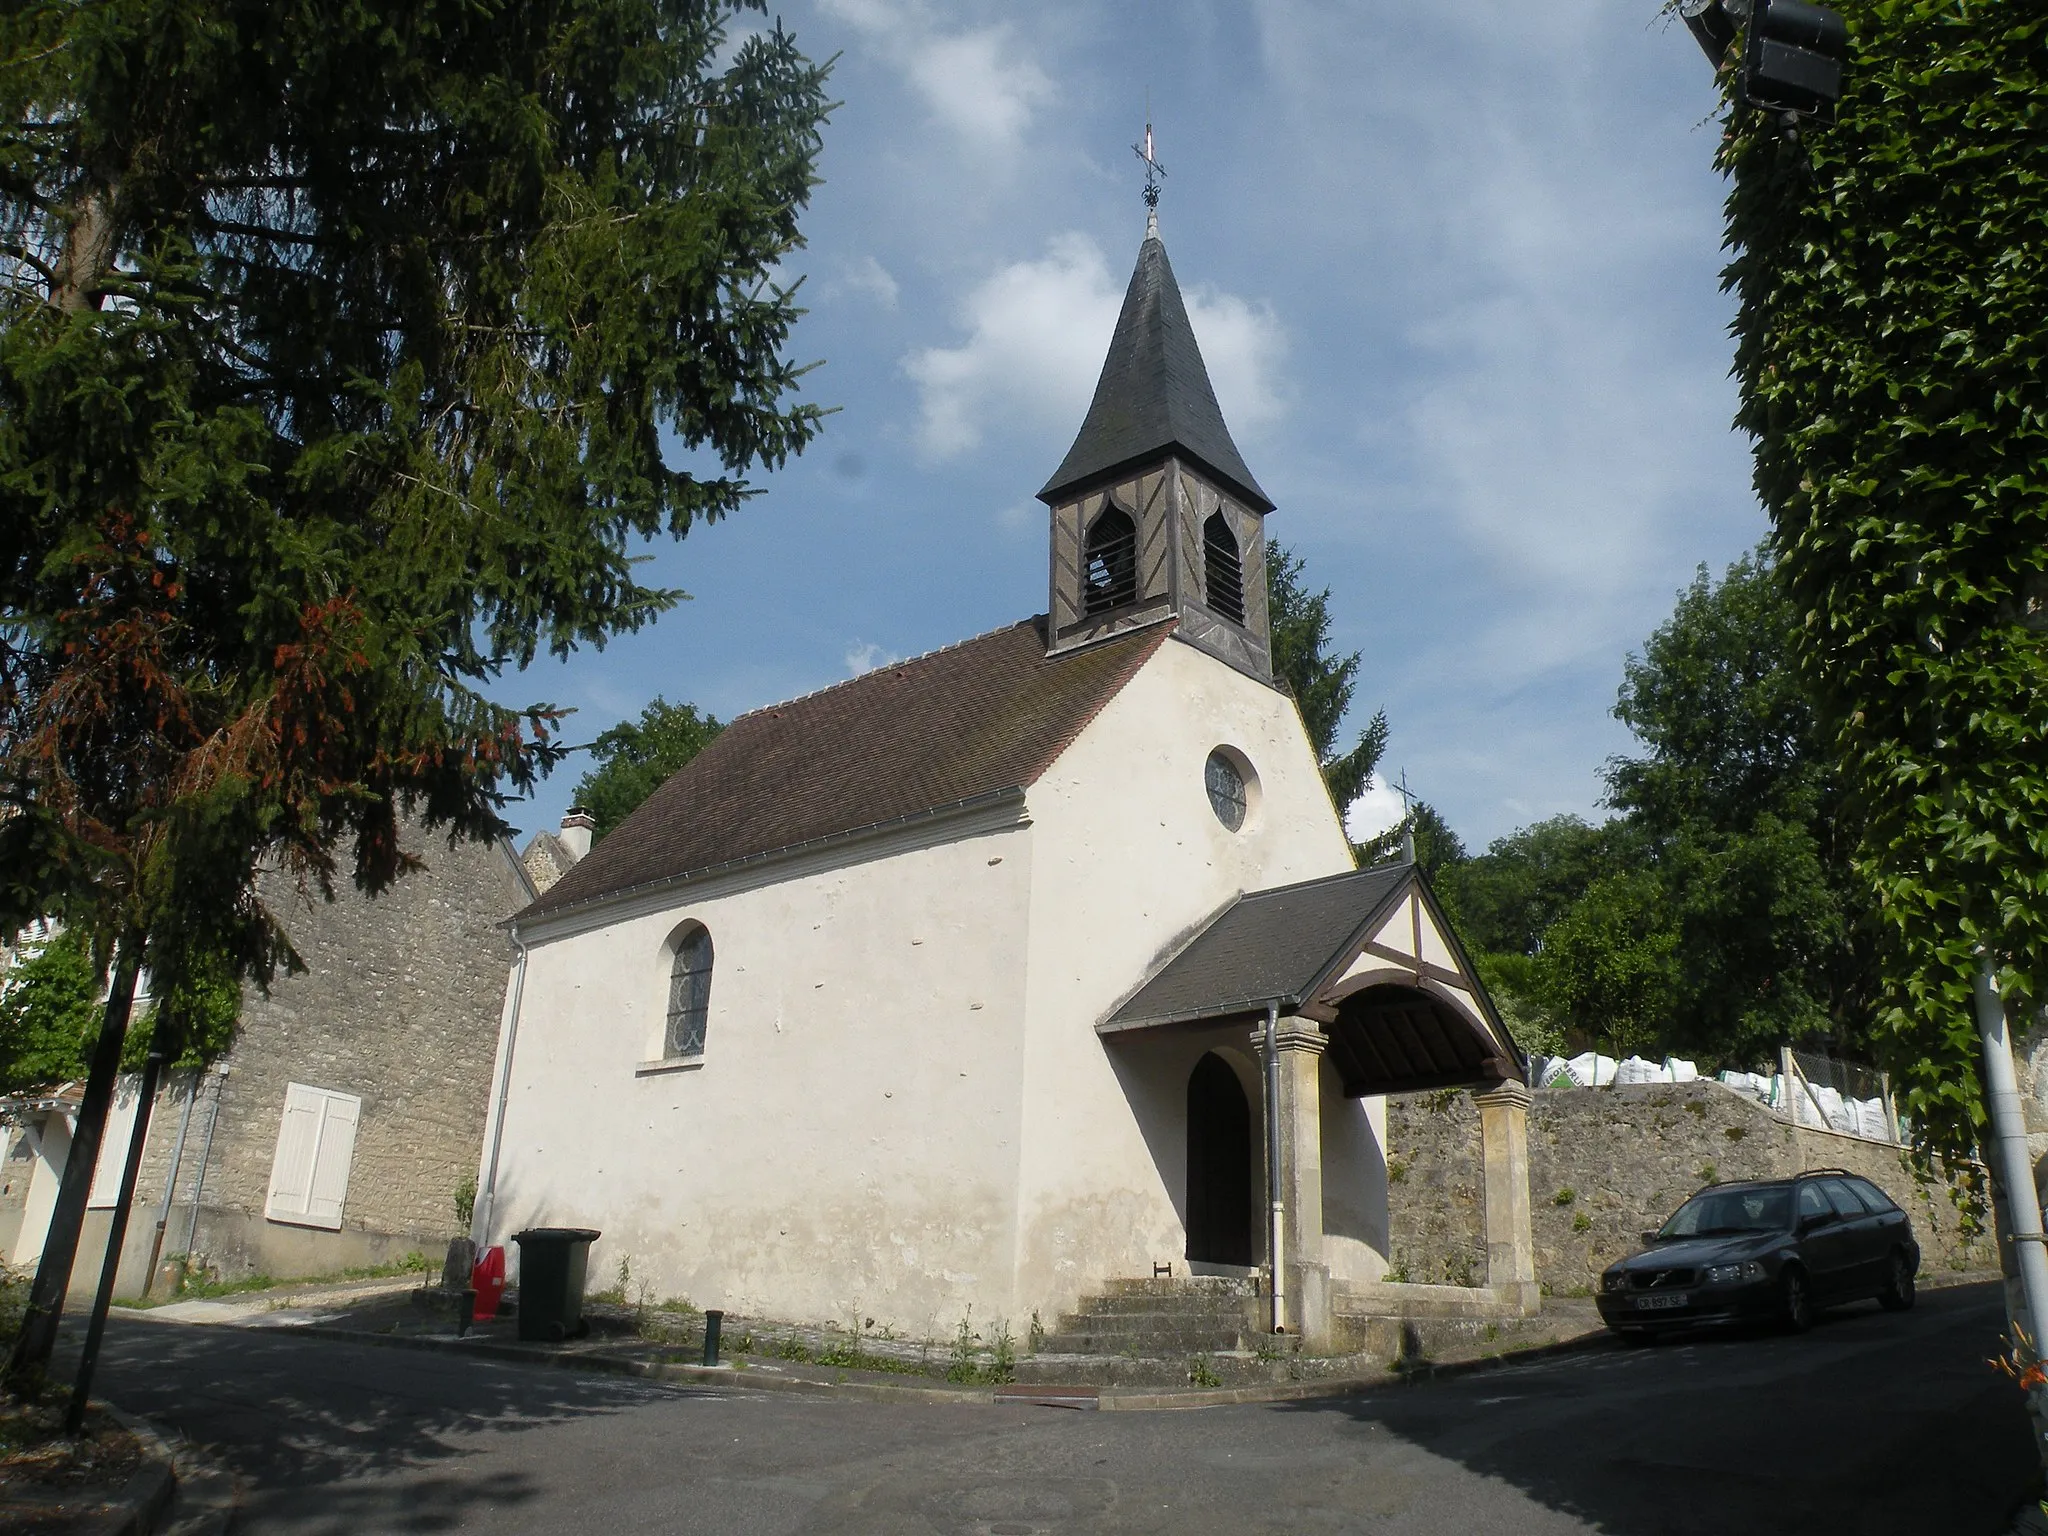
849, 1138
1130, 859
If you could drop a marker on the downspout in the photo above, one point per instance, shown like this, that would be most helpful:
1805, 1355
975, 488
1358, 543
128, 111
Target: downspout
486, 1205
163, 1211
219, 1073
2009, 1141
1276, 1266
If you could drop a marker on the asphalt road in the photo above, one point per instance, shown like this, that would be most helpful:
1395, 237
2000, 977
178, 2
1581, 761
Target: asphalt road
1872, 1423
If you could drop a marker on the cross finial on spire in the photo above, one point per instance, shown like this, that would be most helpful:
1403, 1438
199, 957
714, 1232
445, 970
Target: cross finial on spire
1409, 800
1153, 171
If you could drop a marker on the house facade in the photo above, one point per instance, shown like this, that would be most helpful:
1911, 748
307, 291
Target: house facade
962, 987
336, 1132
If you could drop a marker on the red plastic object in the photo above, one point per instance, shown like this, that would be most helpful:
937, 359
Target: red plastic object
488, 1279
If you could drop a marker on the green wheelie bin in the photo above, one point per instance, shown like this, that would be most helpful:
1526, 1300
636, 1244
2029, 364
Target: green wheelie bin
553, 1263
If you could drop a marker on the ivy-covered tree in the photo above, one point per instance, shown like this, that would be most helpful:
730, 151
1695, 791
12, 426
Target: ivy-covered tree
347, 355
1322, 683
635, 757
1892, 342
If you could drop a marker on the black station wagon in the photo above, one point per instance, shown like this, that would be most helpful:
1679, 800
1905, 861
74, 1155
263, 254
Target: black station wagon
1777, 1249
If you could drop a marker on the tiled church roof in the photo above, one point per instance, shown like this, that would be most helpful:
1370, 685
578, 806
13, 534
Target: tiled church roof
1154, 394
989, 714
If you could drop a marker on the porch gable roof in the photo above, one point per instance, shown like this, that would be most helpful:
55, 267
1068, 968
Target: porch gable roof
1266, 947
1293, 947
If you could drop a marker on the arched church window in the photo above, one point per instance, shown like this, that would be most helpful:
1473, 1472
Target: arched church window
689, 993
1224, 566
1110, 575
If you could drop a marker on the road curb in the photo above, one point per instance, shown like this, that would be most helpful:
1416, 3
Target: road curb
139, 1508
1110, 1399
755, 1377
204, 1497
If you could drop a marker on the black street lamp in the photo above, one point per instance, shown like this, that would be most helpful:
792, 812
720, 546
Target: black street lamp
1792, 53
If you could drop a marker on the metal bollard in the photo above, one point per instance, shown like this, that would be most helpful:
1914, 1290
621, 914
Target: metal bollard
713, 1321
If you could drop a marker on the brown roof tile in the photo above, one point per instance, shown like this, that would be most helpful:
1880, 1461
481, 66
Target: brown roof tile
989, 714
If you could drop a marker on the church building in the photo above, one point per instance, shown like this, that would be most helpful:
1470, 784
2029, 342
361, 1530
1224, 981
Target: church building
1010, 970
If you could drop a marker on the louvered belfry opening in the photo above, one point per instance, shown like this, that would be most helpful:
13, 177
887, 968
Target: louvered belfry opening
1225, 568
1110, 578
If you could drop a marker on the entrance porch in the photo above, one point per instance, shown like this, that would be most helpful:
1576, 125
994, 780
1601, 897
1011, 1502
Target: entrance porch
1355, 987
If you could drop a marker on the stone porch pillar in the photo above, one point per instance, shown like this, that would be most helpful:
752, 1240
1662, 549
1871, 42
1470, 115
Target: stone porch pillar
1307, 1278
1504, 1149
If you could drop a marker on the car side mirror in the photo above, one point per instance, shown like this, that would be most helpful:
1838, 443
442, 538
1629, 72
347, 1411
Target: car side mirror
1649, 1237
1810, 1223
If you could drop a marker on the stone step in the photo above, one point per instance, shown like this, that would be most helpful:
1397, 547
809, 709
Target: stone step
1161, 1319
1182, 1285
1156, 1341
1167, 1305
1175, 1373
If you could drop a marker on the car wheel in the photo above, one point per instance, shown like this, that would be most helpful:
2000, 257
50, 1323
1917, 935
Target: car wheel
1897, 1295
1795, 1301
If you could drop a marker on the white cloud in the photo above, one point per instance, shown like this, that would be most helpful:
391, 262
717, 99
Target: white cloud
1037, 333
979, 82
864, 277
865, 656
1376, 811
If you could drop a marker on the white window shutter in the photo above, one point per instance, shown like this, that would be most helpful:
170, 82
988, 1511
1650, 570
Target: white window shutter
315, 1144
331, 1164
114, 1140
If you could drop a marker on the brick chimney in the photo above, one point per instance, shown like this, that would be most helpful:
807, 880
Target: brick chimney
577, 827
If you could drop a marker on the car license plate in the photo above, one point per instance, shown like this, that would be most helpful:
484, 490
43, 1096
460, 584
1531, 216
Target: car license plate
1659, 1303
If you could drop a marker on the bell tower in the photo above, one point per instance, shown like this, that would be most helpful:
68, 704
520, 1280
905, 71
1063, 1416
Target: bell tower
1154, 513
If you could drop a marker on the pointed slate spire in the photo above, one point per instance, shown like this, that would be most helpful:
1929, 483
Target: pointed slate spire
1154, 395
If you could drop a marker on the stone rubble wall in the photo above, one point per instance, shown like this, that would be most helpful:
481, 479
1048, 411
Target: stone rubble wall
400, 1006
1607, 1163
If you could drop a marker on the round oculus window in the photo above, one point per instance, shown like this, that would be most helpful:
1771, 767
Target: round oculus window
1226, 790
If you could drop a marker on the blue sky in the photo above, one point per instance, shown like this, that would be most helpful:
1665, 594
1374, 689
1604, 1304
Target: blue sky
1454, 268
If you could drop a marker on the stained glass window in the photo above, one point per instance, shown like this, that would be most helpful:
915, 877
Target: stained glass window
689, 994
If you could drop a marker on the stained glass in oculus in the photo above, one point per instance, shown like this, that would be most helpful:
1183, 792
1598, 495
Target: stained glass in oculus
1226, 790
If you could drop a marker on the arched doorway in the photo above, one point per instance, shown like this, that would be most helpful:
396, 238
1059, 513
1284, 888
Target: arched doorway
1219, 1165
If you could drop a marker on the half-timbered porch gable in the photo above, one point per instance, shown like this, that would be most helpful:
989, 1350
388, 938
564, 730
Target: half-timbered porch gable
1368, 955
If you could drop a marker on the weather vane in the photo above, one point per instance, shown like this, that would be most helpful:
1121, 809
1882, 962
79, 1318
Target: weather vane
1153, 171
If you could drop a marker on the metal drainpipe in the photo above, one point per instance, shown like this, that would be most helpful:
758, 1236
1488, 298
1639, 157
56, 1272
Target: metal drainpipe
1276, 1266
2009, 1134
163, 1212
486, 1207
219, 1074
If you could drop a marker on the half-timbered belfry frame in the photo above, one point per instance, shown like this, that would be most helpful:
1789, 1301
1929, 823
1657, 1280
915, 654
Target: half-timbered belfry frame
1154, 449
1363, 971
